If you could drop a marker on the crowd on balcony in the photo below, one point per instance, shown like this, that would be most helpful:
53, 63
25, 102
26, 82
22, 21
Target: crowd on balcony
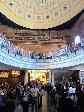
5, 43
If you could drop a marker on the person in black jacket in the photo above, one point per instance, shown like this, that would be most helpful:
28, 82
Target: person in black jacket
80, 97
66, 104
53, 101
1, 104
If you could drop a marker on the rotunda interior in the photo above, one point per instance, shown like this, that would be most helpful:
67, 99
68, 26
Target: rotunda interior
41, 55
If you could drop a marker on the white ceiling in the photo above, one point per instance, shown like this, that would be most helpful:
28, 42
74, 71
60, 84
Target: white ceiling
7, 67
64, 70
80, 67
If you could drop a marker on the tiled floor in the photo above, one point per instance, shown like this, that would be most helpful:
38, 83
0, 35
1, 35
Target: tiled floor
11, 106
45, 107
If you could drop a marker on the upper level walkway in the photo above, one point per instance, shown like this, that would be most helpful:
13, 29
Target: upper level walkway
12, 55
72, 59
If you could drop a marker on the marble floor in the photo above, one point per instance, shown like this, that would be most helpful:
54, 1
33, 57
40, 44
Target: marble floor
15, 106
45, 107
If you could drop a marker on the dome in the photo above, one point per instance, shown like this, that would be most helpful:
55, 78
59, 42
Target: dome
40, 14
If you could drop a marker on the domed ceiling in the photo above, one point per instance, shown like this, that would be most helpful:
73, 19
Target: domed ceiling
40, 14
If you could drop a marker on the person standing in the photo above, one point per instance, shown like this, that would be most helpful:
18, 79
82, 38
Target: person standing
66, 104
1, 104
34, 93
25, 102
80, 98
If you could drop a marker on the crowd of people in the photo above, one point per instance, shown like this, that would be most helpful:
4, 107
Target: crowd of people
28, 96
60, 98
11, 47
66, 98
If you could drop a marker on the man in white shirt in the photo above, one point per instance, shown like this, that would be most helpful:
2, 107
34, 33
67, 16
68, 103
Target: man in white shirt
34, 93
72, 91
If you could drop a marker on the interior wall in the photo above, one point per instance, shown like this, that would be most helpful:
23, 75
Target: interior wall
78, 28
60, 74
41, 48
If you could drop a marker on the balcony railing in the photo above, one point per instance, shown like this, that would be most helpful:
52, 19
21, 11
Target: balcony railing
10, 57
72, 59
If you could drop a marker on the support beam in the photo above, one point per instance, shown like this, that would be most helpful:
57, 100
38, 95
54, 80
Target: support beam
26, 77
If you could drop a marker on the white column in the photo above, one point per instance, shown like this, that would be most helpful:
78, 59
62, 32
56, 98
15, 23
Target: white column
52, 78
81, 76
26, 77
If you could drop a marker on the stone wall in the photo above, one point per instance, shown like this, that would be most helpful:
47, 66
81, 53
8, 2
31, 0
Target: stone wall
41, 48
44, 41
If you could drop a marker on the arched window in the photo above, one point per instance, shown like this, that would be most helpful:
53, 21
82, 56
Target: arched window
77, 40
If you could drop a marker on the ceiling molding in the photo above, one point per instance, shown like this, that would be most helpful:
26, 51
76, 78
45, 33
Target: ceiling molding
35, 14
